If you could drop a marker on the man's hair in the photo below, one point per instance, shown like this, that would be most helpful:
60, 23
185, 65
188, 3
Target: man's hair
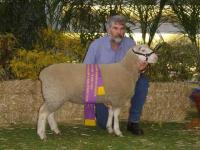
115, 19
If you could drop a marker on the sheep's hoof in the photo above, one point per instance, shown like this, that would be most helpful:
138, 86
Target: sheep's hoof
110, 130
119, 133
43, 138
57, 132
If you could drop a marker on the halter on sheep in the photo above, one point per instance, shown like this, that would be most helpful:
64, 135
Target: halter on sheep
64, 82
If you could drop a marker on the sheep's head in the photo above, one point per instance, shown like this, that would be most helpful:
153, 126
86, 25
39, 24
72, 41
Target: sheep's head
144, 53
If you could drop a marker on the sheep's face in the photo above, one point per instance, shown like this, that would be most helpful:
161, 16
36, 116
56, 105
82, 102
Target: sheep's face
144, 53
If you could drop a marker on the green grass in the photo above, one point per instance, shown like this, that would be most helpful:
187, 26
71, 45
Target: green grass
167, 136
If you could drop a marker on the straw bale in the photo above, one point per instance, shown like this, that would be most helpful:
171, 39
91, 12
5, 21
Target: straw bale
20, 101
166, 102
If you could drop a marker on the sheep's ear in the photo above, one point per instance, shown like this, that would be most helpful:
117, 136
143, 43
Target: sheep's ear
157, 47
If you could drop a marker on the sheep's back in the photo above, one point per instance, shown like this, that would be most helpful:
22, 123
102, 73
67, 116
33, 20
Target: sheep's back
64, 81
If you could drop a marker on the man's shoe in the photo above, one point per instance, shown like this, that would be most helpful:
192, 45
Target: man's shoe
134, 128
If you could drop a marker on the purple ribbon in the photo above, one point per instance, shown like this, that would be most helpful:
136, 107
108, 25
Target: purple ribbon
93, 81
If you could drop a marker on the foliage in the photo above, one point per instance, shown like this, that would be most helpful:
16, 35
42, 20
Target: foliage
187, 18
53, 12
28, 64
85, 18
67, 43
23, 18
7, 47
148, 14
175, 63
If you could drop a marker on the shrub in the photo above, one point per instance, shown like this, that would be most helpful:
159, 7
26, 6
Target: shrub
176, 62
58, 41
7, 47
28, 64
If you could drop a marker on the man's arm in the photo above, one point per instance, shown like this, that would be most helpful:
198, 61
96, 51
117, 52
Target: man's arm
91, 54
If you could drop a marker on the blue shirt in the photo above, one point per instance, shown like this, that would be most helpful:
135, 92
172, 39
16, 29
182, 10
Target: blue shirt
101, 52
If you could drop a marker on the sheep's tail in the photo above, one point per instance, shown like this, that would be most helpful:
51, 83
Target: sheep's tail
41, 75
44, 73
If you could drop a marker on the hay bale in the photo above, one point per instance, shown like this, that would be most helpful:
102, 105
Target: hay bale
20, 101
166, 102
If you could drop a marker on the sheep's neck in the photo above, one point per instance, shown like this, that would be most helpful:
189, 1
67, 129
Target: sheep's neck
130, 63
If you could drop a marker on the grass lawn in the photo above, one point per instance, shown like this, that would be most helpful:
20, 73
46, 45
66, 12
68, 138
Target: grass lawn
169, 136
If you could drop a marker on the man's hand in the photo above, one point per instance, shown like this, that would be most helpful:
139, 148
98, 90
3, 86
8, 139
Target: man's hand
142, 65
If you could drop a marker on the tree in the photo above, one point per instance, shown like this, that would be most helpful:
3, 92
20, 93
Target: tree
148, 14
82, 16
23, 18
53, 11
187, 19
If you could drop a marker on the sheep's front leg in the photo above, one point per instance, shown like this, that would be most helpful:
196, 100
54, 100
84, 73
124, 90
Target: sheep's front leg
109, 121
117, 131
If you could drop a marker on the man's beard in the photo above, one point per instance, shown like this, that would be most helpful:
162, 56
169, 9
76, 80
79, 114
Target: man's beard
117, 39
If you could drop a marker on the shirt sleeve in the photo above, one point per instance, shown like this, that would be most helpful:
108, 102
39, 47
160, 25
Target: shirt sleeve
91, 54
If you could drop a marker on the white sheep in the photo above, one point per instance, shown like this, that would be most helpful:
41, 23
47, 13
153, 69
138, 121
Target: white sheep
64, 82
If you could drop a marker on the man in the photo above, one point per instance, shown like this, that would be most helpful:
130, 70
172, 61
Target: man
111, 48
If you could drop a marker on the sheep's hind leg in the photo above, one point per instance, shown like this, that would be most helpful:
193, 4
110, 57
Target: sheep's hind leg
43, 114
53, 124
116, 122
109, 121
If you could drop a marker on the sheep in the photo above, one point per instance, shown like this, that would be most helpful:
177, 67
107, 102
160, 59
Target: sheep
64, 82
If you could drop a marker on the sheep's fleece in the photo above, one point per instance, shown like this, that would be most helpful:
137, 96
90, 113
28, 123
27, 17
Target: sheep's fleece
64, 82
